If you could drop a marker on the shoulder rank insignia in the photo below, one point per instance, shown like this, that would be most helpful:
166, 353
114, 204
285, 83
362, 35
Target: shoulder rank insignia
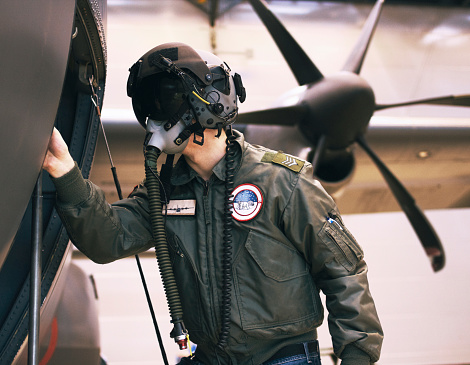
292, 163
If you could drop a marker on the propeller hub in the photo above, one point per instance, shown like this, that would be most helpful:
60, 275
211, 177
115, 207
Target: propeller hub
340, 107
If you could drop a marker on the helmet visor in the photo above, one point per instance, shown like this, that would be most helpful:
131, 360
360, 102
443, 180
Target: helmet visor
169, 94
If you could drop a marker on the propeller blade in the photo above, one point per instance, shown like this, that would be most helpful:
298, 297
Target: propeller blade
302, 67
320, 147
425, 232
454, 100
357, 56
286, 116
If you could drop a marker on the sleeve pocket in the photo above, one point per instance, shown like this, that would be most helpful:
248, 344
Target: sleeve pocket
339, 240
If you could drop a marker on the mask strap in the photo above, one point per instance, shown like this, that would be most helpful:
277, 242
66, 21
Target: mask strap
175, 118
195, 128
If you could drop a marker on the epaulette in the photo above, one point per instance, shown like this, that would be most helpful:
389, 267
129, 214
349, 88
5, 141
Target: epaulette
280, 158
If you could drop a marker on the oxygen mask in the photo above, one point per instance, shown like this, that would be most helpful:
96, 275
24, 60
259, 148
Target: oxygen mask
169, 114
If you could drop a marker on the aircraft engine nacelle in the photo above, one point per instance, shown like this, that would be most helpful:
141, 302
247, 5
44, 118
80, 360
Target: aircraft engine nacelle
335, 169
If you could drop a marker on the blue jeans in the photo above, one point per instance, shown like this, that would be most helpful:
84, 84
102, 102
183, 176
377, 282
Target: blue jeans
308, 358
312, 358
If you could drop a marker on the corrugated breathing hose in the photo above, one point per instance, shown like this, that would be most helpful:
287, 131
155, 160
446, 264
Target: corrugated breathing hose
179, 332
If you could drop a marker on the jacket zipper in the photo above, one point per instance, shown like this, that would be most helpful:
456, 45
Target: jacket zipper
209, 246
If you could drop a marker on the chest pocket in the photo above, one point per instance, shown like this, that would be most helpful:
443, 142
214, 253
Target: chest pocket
276, 260
275, 292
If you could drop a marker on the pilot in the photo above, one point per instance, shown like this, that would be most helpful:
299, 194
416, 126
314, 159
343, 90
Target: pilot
277, 242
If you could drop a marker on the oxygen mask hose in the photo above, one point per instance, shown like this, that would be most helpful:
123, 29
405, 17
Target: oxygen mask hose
179, 332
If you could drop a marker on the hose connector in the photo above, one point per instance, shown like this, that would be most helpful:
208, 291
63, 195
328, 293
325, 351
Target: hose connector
180, 335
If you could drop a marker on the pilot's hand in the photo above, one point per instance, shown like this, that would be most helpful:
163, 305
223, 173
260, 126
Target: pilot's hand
58, 160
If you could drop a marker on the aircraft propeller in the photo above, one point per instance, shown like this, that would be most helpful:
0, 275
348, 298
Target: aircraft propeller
333, 113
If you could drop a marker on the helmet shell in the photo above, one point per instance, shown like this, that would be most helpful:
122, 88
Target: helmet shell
220, 92
215, 103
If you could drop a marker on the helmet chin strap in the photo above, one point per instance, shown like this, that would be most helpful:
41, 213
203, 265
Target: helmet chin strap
220, 126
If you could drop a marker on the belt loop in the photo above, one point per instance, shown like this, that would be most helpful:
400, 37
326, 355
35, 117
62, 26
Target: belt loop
307, 352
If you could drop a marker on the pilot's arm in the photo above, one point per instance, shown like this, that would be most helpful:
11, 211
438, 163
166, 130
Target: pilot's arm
337, 265
103, 232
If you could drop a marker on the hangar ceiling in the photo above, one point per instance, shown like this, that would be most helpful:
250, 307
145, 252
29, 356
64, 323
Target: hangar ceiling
215, 8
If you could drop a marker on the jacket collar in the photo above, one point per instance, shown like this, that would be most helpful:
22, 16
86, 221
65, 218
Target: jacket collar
183, 173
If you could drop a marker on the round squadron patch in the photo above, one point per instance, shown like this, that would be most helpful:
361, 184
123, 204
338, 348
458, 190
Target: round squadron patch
247, 202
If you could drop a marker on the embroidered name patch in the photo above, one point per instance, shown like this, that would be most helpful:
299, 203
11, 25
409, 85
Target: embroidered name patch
247, 202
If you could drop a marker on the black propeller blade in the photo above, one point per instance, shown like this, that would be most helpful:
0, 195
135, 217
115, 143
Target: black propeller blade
428, 237
334, 112
287, 116
357, 56
301, 65
319, 149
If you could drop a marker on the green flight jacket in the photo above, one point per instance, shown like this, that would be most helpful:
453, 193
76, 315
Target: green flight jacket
288, 249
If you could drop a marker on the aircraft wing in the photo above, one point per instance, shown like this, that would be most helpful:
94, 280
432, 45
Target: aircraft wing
430, 156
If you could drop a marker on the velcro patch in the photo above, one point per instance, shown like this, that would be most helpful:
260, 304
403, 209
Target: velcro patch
292, 163
171, 53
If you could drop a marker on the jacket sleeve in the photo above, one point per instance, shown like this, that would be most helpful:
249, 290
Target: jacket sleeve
312, 222
103, 232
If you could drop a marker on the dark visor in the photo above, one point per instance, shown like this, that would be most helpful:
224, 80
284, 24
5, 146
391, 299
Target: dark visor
168, 96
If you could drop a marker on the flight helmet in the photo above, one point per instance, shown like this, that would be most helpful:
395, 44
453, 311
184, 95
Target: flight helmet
175, 85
